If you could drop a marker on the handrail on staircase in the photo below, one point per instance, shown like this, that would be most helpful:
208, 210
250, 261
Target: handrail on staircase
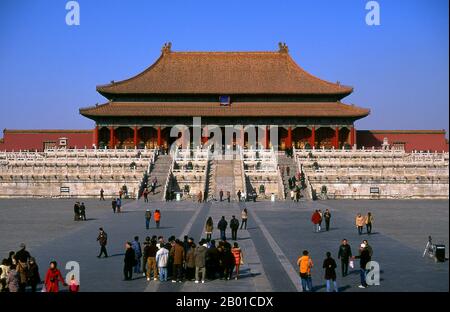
169, 174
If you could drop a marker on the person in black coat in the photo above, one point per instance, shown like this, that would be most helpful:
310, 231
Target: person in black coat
364, 258
33, 274
345, 253
76, 211
330, 272
222, 226
212, 261
234, 225
129, 262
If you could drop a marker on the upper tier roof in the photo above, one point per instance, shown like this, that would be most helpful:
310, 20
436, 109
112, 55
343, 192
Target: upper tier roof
225, 73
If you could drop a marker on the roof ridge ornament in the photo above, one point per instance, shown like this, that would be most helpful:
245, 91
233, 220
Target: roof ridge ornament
282, 47
167, 48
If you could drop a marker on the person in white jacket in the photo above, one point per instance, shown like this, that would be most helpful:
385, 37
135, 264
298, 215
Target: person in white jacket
162, 257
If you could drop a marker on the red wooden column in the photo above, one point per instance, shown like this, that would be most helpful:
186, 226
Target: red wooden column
266, 137
135, 136
95, 139
336, 137
312, 141
111, 137
159, 142
352, 136
242, 138
289, 138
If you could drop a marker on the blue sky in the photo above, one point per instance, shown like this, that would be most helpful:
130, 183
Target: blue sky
399, 70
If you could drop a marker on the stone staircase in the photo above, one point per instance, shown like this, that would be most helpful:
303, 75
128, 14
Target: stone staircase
160, 170
224, 178
287, 162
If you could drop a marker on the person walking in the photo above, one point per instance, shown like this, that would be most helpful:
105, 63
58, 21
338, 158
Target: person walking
244, 218
238, 258
364, 258
146, 244
162, 257
178, 254
316, 219
320, 220
102, 239
148, 217
119, 204
200, 197
228, 196
209, 228
234, 226
327, 217
369, 247
53, 277
150, 252
129, 262
305, 265
239, 194
145, 193
330, 272
114, 205
200, 261
102, 194
138, 254
82, 212
221, 195
359, 222
369, 222
222, 226
344, 254
157, 217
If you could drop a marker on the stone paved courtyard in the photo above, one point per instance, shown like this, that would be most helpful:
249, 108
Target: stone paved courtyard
277, 233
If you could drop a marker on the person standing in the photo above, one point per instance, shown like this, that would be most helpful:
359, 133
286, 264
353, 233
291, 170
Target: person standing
190, 262
305, 265
330, 272
33, 274
12, 281
221, 195
145, 193
102, 239
364, 258
162, 257
138, 254
200, 261
150, 257
102, 194
178, 254
200, 197
74, 286
82, 212
369, 248
53, 277
344, 254
157, 217
327, 217
316, 219
222, 226
145, 255
129, 262
148, 217
209, 228
238, 258
234, 226
228, 196
76, 211
244, 217
369, 222
359, 222
239, 194
114, 205
4, 269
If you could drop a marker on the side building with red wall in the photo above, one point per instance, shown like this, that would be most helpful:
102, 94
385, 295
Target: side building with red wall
15, 140
410, 140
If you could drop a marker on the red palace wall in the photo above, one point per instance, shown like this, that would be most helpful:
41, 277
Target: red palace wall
419, 140
34, 139
414, 139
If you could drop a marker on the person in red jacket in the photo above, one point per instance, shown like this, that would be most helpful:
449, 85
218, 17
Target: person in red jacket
53, 277
316, 219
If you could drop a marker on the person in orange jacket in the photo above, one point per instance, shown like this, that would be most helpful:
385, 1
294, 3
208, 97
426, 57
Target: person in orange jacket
157, 217
305, 265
